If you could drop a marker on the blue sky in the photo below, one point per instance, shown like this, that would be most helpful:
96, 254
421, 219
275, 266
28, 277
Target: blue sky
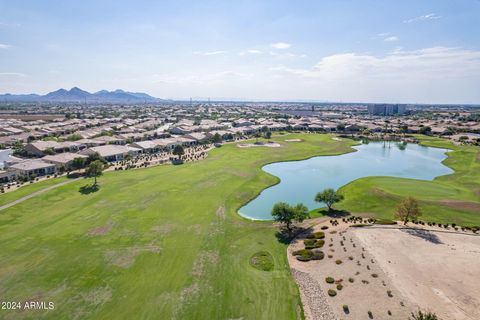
367, 51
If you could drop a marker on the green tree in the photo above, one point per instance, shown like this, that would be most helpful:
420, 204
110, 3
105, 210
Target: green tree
268, 135
178, 150
329, 197
78, 163
95, 170
217, 138
408, 209
284, 213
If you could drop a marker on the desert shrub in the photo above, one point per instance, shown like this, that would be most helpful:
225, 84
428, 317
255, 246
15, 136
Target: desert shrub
301, 252
303, 258
389, 293
318, 255
339, 286
351, 280
319, 243
363, 256
374, 275
370, 314
333, 232
389, 312
368, 267
330, 245
344, 249
345, 309
332, 293
338, 261
316, 235
309, 242
329, 280
365, 282
350, 258
419, 315
330, 256
324, 228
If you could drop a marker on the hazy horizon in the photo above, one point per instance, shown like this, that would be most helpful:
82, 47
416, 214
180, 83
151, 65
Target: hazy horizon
329, 51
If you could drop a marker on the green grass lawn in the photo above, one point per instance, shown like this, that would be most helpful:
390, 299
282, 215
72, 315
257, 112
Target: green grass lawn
453, 198
162, 243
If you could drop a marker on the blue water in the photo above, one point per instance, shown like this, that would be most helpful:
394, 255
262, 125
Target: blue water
301, 180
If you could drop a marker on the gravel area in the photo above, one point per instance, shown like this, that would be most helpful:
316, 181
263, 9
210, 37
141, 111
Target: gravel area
315, 303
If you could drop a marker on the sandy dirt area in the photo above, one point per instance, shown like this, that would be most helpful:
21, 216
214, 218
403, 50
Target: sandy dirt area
390, 272
253, 145
294, 140
438, 270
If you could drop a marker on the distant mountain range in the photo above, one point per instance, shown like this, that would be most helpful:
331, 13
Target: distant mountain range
81, 96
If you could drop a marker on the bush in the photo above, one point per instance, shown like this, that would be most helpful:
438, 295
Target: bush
332, 293
389, 293
339, 286
419, 315
324, 228
374, 275
350, 258
351, 280
338, 261
309, 242
329, 280
316, 235
370, 314
345, 309
318, 255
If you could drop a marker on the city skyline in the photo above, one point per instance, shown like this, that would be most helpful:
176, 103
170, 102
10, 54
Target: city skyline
349, 51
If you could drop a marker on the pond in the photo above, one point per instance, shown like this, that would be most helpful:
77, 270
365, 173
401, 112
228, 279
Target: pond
301, 180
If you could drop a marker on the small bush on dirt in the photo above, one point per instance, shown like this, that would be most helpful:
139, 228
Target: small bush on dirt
350, 258
351, 280
374, 275
324, 228
338, 261
329, 280
345, 309
389, 293
332, 293
339, 286
370, 314
419, 315
316, 235
389, 312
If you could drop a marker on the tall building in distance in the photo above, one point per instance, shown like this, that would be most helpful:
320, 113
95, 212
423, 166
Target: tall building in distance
386, 109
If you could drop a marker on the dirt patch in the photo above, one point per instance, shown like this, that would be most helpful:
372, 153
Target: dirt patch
220, 212
98, 296
100, 231
253, 145
163, 229
462, 205
126, 257
203, 259
433, 274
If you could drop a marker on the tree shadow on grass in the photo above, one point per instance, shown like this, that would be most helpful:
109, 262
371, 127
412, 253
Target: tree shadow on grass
89, 188
424, 234
285, 236
333, 213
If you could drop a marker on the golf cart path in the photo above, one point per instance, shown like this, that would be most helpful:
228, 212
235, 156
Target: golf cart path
36, 193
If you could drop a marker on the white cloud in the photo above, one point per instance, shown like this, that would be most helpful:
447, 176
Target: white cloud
281, 45
391, 39
12, 74
4, 46
430, 16
438, 75
250, 51
429, 62
209, 53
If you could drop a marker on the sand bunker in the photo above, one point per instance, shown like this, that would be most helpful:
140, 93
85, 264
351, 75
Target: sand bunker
254, 145
392, 271
294, 140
